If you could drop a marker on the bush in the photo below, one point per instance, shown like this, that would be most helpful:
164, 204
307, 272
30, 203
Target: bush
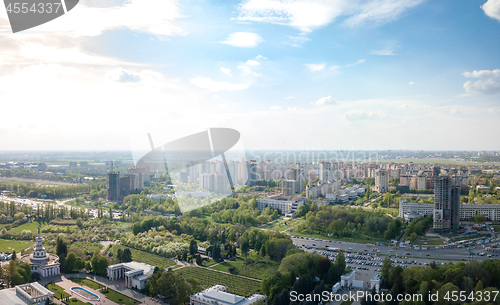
231, 269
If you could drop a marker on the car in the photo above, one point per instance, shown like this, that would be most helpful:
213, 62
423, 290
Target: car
408, 254
350, 248
427, 255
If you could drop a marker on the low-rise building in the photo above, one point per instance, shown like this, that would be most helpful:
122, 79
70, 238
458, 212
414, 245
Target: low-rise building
136, 274
218, 295
286, 205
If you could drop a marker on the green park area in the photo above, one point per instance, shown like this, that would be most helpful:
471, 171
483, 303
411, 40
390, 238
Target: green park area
208, 278
58, 291
253, 266
145, 257
85, 246
86, 282
14, 245
74, 301
118, 297
31, 226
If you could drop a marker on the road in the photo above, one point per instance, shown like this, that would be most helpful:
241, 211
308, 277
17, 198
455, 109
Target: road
439, 254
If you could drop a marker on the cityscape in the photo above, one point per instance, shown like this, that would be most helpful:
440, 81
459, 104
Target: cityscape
250, 152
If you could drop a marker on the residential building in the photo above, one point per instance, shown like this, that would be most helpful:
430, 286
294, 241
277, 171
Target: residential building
381, 180
446, 205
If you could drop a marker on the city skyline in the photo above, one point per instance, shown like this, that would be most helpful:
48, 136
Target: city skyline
288, 75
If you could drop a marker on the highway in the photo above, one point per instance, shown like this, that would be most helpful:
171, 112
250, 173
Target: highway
435, 254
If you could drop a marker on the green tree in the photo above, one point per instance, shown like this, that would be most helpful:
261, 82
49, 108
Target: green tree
62, 252
70, 262
127, 255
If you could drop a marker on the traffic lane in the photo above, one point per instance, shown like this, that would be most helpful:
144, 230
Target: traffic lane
453, 253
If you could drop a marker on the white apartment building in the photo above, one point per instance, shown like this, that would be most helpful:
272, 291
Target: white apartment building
285, 205
411, 210
218, 295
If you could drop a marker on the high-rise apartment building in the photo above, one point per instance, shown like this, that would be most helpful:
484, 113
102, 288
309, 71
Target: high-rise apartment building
381, 180
446, 205
113, 186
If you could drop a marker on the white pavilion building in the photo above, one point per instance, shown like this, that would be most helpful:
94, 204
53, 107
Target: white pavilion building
41, 262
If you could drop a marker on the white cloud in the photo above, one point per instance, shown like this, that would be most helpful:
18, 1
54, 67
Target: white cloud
291, 97
324, 100
315, 67
411, 83
358, 62
148, 16
214, 86
248, 71
226, 71
490, 85
492, 9
253, 63
308, 15
276, 108
296, 41
383, 52
260, 57
483, 73
359, 115
124, 76
243, 40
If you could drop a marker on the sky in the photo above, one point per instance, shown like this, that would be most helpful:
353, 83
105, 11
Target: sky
287, 74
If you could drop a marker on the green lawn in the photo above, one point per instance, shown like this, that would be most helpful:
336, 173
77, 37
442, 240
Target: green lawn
209, 262
119, 298
85, 246
176, 267
14, 245
86, 282
208, 278
57, 290
74, 301
252, 267
145, 257
32, 226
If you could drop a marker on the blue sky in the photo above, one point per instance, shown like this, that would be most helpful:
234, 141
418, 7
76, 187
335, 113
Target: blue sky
380, 74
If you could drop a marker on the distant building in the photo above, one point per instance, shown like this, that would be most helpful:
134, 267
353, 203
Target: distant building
135, 274
381, 180
446, 205
113, 186
42, 167
285, 205
218, 295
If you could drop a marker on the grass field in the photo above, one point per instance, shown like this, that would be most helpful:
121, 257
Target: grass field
86, 246
32, 226
58, 291
145, 257
86, 282
74, 301
208, 278
119, 298
209, 262
14, 245
257, 268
